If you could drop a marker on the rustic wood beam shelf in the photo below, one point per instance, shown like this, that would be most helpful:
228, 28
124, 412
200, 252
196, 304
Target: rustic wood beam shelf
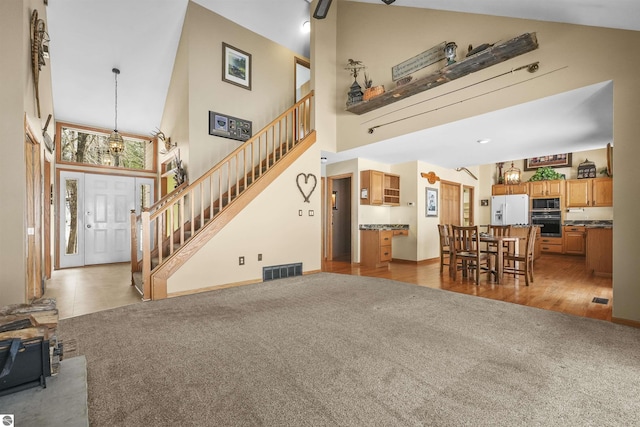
494, 55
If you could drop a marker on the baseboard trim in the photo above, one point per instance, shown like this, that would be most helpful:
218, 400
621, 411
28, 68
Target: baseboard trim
225, 286
626, 322
421, 262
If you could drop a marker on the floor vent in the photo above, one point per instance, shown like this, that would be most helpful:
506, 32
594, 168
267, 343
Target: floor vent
600, 300
281, 271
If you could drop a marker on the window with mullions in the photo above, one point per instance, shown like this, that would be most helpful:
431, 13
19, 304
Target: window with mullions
91, 148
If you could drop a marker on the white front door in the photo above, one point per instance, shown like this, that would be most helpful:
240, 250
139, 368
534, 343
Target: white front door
100, 230
108, 201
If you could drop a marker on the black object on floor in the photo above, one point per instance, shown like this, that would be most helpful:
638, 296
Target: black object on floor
600, 300
25, 363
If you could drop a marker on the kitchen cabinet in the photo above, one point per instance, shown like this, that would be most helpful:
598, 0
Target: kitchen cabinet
546, 188
574, 240
375, 246
589, 192
599, 251
379, 188
505, 189
551, 245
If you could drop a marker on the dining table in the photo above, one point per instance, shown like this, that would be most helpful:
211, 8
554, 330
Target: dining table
501, 243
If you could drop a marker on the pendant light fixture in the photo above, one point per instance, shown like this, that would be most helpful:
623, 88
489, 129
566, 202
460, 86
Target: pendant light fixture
116, 143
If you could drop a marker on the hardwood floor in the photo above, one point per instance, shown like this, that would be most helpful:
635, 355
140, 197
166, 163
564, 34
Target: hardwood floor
561, 284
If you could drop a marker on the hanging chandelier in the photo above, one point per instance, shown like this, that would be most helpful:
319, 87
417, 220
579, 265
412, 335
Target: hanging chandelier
116, 143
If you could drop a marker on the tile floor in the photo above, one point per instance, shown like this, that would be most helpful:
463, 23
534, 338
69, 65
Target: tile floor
89, 289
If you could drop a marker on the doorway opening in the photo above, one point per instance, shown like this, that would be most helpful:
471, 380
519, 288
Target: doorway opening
339, 209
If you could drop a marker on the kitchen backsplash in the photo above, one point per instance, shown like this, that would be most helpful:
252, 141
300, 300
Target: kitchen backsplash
574, 214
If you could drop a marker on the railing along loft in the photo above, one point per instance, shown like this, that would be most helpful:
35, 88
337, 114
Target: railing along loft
161, 230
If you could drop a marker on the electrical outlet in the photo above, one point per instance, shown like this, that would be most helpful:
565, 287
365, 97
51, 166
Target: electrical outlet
241, 260
259, 257
300, 212
311, 212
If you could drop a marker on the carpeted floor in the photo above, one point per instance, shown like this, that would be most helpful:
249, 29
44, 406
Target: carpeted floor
339, 350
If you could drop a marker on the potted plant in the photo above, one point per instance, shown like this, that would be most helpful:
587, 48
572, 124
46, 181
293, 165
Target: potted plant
545, 173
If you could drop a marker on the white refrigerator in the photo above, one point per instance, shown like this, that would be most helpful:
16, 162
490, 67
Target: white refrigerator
510, 210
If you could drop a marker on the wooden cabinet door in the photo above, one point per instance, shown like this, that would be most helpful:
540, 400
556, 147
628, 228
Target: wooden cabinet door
578, 192
555, 187
574, 240
499, 190
375, 191
602, 192
537, 189
518, 188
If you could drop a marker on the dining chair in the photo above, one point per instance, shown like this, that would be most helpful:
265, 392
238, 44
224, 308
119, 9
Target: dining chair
466, 252
522, 264
444, 230
498, 230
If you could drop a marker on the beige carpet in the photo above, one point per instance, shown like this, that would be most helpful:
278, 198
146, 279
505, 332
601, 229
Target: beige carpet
338, 350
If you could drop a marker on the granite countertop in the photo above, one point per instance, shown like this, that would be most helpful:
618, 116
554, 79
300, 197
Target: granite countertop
591, 223
384, 226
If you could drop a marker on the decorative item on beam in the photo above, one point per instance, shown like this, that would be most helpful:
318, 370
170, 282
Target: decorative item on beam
355, 94
431, 177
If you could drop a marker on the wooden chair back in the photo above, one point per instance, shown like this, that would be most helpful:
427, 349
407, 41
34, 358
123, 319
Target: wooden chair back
464, 238
500, 230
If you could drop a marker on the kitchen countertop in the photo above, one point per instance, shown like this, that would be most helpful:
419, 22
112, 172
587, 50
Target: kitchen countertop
384, 226
590, 223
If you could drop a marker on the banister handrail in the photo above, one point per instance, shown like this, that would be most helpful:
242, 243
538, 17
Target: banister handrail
183, 213
167, 197
252, 139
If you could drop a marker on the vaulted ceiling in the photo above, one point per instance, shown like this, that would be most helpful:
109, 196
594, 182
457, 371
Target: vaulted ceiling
90, 37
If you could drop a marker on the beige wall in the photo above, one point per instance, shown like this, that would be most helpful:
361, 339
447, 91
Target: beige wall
574, 56
198, 70
17, 105
269, 225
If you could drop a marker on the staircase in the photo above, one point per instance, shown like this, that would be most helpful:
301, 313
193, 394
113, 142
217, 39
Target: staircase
166, 235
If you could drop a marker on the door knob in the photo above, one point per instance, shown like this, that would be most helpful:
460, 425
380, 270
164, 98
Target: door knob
88, 225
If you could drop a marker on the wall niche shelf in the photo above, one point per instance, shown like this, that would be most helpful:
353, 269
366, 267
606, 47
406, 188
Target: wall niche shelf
496, 54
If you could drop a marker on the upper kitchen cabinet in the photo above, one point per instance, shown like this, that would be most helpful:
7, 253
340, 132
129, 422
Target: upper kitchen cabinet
589, 192
553, 188
504, 189
379, 188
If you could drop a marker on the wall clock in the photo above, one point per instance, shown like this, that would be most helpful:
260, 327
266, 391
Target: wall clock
37, 52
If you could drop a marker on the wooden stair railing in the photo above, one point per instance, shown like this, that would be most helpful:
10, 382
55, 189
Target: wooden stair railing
162, 231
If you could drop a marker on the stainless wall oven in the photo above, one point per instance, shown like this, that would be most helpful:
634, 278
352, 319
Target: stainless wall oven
550, 220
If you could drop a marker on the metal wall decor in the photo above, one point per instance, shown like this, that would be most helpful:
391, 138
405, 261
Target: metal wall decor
229, 127
306, 184
39, 40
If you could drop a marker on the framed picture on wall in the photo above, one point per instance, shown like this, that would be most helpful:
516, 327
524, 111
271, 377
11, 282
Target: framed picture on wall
431, 201
555, 161
236, 66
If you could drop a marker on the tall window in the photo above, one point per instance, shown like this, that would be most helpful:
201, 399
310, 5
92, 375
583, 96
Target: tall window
90, 147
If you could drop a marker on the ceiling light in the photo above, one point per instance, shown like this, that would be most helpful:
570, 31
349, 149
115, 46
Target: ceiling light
116, 143
484, 141
388, 1
306, 26
322, 9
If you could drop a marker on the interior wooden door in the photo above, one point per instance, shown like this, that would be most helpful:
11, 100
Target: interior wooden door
33, 156
450, 203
